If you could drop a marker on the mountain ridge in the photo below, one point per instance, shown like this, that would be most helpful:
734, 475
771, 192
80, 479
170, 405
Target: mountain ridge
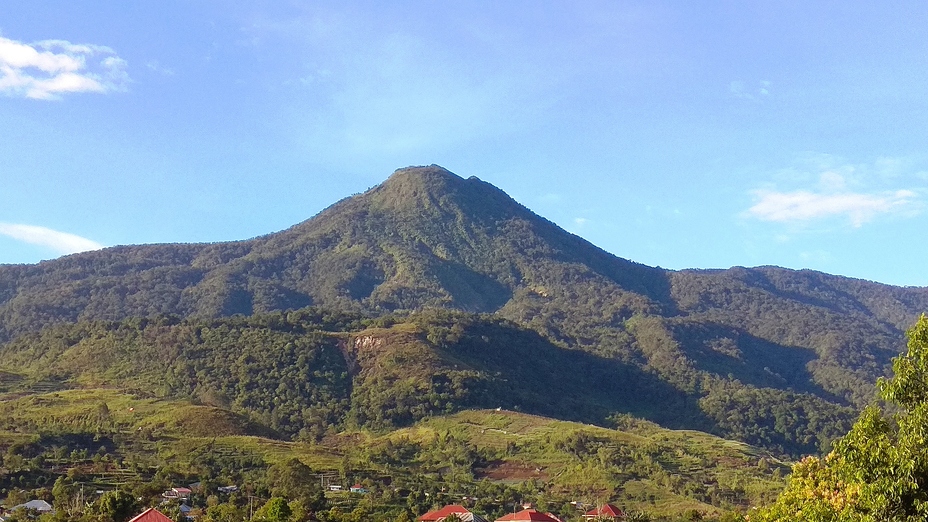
766, 355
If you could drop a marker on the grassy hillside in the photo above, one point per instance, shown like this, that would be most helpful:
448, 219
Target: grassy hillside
107, 438
642, 466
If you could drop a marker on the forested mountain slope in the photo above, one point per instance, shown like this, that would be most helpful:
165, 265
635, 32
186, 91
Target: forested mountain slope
775, 357
423, 238
300, 373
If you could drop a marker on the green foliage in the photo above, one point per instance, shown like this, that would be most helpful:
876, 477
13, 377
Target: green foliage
294, 480
225, 512
308, 372
783, 421
117, 506
280, 369
275, 510
879, 470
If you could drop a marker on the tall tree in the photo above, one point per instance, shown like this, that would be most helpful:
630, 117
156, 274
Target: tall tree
117, 506
275, 510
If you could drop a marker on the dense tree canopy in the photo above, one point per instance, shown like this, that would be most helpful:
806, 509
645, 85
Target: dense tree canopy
878, 472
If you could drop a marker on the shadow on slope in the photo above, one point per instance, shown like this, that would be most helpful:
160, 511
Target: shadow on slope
526, 372
737, 355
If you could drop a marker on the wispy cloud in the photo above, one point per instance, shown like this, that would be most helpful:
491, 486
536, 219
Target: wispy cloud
800, 206
47, 69
739, 90
830, 187
155, 66
61, 242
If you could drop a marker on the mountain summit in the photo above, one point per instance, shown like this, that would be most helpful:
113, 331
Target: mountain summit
425, 237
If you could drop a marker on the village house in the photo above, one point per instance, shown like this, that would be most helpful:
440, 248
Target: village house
177, 494
529, 515
605, 512
151, 515
461, 512
38, 506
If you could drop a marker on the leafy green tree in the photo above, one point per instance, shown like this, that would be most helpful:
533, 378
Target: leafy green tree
879, 471
332, 515
117, 506
275, 510
62, 490
294, 480
299, 512
318, 502
224, 512
403, 517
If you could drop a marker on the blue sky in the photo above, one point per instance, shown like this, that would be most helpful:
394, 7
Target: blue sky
681, 134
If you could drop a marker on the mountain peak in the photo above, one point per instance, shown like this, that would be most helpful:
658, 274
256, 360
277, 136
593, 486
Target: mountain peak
424, 173
433, 186
413, 181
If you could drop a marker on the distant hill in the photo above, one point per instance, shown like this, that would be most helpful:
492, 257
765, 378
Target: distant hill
538, 318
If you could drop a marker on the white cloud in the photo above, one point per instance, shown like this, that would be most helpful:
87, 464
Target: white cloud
581, 221
61, 242
832, 181
45, 70
823, 186
738, 89
155, 66
801, 205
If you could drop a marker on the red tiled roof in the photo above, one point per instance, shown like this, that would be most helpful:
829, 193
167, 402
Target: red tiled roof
439, 514
527, 515
609, 510
151, 515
